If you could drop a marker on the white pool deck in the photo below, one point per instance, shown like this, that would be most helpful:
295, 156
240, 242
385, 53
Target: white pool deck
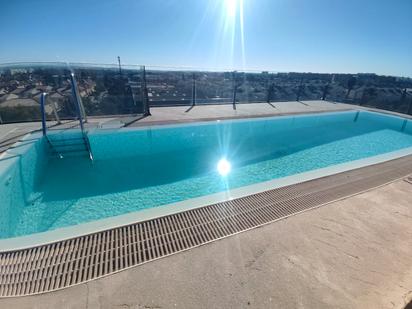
354, 253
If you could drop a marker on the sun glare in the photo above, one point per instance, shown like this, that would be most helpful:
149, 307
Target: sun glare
224, 167
233, 32
231, 8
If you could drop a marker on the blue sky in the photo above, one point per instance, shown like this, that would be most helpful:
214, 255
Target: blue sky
280, 35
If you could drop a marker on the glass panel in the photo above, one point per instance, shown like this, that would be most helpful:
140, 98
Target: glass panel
214, 88
393, 99
108, 90
345, 88
284, 86
168, 87
21, 86
383, 92
312, 86
253, 87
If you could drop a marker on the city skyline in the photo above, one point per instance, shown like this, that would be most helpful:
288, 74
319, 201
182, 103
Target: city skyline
317, 36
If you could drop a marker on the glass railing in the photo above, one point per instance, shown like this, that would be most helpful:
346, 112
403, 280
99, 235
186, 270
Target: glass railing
168, 87
127, 92
370, 90
214, 87
21, 86
251, 86
108, 90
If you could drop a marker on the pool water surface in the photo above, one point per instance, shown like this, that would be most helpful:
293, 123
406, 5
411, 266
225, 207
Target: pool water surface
137, 169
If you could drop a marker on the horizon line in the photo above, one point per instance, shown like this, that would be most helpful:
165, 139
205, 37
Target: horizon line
192, 68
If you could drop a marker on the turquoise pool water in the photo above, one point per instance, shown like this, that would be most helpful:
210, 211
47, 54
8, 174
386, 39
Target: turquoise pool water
136, 169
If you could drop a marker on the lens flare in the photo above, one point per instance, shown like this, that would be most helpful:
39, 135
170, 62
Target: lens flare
224, 167
231, 7
226, 20
233, 32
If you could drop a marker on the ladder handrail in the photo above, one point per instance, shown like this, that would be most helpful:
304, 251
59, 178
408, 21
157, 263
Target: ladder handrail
43, 122
76, 96
76, 100
79, 114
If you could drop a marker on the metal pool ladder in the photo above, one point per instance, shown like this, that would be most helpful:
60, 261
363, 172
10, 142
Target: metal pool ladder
77, 143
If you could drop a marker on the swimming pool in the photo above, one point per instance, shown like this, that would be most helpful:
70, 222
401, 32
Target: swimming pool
139, 173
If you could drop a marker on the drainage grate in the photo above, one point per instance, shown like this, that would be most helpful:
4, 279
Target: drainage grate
70, 262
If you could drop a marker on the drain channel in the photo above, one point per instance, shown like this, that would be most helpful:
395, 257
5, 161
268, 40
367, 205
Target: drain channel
66, 263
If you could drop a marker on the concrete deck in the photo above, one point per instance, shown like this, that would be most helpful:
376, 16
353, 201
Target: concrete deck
354, 253
185, 113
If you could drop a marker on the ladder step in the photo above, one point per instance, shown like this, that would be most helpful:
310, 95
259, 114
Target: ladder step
70, 150
74, 151
74, 145
68, 145
65, 140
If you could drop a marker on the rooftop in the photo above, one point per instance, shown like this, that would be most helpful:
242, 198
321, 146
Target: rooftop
353, 252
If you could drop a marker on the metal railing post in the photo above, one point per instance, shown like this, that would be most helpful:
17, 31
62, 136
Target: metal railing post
1, 120
145, 96
410, 107
299, 90
120, 66
234, 89
43, 113
325, 92
270, 88
362, 97
403, 95
76, 100
403, 99
193, 89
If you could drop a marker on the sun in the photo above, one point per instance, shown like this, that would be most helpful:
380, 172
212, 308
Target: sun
231, 8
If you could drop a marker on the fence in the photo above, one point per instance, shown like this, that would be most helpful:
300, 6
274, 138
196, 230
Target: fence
130, 90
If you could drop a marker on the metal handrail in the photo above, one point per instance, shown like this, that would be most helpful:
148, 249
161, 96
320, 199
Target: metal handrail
234, 89
76, 100
193, 89
79, 105
44, 124
145, 95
